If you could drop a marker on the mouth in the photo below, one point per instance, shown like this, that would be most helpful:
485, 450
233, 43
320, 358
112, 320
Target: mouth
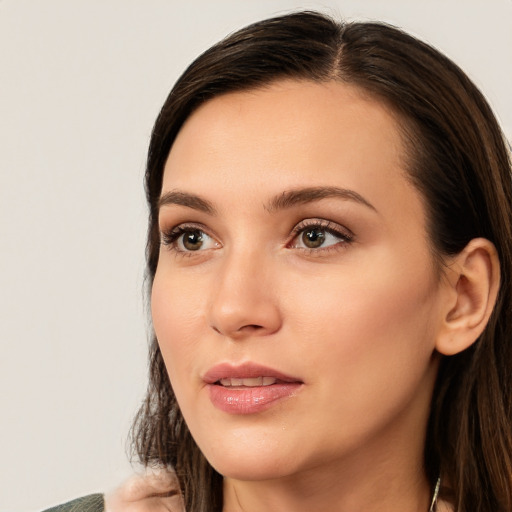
250, 382
246, 374
248, 388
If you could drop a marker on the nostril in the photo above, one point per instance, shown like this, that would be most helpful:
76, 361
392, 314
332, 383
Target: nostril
250, 328
245, 329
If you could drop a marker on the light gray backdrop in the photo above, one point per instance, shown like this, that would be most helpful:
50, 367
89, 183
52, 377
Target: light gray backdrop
81, 82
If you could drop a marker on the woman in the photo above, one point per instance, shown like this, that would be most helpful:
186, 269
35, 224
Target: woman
329, 258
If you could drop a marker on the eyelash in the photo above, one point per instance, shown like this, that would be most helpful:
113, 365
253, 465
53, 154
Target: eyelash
170, 237
344, 235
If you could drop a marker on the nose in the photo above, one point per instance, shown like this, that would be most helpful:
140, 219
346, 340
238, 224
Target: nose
244, 302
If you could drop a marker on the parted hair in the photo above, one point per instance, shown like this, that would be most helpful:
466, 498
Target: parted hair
458, 159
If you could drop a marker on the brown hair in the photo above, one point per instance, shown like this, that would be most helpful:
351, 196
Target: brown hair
458, 159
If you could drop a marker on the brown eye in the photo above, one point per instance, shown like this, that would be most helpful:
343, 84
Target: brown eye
317, 235
313, 237
192, 240
183, 239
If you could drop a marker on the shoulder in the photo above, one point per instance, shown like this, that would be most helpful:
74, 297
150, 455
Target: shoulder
92, 503
152, 491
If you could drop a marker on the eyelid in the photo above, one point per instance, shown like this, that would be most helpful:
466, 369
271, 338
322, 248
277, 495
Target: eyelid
346, 235
169, 236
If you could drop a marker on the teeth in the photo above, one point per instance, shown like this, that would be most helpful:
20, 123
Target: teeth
249, 382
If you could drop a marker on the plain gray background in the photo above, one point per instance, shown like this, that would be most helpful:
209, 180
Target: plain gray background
81, 82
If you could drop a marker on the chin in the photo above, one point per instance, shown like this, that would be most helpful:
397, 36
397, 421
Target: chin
251, 469
253, 460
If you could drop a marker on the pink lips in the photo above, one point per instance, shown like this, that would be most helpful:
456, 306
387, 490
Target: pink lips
251, 396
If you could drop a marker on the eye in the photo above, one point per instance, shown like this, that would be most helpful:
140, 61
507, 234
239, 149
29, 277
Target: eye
188, 239
317, 234
192, 240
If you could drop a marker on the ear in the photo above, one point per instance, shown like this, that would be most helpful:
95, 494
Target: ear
472, 281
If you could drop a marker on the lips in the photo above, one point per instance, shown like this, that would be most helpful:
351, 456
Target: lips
248, 388
244, 371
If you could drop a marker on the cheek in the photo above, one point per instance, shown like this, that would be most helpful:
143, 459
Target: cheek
387, 298
176, 314
370, 333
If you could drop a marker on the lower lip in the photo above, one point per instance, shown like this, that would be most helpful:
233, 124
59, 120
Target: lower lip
250, 400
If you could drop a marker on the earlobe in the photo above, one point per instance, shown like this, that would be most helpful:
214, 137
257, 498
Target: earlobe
472, 282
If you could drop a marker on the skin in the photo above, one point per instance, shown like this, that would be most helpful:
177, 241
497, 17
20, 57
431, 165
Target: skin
357, 321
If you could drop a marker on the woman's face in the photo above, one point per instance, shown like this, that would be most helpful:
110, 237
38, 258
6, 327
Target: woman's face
295, 301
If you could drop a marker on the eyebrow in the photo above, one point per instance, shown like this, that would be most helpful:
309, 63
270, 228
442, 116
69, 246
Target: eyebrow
188, 200
283, 201
291, 198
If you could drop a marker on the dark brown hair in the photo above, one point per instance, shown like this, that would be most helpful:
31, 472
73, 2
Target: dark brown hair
459, 161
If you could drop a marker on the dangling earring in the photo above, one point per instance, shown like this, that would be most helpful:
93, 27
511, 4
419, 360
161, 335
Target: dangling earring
433, 504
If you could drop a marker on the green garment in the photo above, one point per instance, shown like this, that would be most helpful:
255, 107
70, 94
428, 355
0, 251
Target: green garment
92, 503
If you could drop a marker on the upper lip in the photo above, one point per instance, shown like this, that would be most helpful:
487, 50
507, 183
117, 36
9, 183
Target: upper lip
244, 370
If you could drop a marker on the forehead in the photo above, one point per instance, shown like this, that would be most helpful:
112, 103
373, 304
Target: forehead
289, 134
